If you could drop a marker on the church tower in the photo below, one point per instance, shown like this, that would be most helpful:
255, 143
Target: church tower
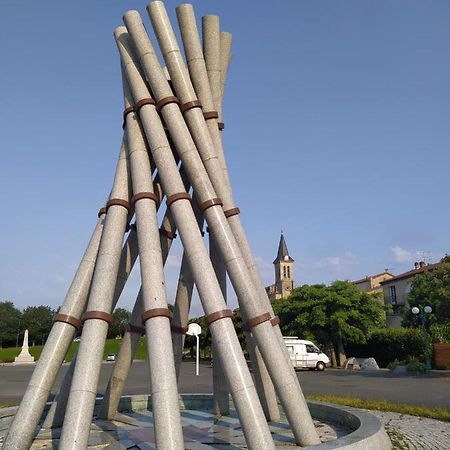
284, 271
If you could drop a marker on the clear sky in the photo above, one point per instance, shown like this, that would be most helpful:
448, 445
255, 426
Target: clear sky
337, 131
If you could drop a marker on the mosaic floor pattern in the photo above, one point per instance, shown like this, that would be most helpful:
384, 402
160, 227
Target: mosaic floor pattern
201, 429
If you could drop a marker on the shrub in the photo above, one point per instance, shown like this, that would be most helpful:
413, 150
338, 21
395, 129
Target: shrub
415, 366
388, 345
440, 333
394, 364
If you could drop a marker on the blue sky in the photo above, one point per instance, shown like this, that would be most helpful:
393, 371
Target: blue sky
337, 130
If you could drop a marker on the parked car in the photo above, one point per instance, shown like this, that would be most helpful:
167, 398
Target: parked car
77, 339
111, 357
305, 354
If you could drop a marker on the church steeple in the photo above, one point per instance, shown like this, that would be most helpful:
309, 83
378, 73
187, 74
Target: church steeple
283, 253
284, 271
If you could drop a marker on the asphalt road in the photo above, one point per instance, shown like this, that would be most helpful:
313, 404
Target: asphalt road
427, 390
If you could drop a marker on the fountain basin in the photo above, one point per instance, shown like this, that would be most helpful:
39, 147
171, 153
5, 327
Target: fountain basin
339, 427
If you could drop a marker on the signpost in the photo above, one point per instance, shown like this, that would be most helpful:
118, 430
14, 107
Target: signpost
195, 330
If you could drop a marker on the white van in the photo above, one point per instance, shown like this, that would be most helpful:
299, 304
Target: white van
305, 354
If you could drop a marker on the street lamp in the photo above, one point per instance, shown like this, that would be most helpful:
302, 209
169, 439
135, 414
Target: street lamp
194, 329
423, 317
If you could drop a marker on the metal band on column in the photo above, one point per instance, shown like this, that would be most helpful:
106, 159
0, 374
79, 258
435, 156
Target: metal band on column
175, 197
126, 111
231, 212
102, 211
222, 314
209, 203
65, 318
142, 195
102, 315
144, 101
118, 202
156, 312
189, 105
275, 321
211, 115
252, 323
165, 101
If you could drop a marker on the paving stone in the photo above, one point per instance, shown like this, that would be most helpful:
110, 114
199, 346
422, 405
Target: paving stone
412, 432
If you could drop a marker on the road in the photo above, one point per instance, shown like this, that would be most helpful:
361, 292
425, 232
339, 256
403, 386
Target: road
427, 390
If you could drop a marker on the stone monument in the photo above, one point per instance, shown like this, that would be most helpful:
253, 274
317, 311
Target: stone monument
24, 356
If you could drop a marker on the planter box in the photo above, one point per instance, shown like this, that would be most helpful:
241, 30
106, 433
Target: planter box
441, 355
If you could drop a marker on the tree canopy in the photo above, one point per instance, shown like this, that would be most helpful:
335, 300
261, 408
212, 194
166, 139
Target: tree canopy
38, 320
330, 315
9, 323
431, 288
121, 317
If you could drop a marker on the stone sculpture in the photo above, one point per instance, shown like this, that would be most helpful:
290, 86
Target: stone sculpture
169, 117
369, 364
351, 364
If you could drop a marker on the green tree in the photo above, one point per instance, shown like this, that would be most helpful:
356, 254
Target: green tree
121, 317
430, 288
10, 318
38, 320
330, 315
445, 259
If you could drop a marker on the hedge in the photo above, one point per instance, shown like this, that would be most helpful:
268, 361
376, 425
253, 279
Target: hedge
391, 344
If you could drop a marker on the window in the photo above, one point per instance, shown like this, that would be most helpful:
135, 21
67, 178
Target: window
289, 272
284, 271
393, 295
310, 348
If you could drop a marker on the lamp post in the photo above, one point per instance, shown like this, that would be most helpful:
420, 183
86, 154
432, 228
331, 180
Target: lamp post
423, 317
195, 330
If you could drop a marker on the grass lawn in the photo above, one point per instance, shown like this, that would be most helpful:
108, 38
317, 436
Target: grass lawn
382, 405
111, 346
8, 354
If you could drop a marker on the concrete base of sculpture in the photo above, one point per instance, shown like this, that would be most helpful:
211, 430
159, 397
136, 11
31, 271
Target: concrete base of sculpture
338, 427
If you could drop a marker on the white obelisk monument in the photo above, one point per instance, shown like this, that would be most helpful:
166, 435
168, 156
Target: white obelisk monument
24, 355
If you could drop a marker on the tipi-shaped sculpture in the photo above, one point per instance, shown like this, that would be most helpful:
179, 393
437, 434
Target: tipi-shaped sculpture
169, 117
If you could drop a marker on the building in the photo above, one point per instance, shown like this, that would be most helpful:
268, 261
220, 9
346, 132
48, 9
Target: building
396, 290
284, 273
372, 283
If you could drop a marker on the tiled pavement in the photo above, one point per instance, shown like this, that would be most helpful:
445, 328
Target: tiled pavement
411, 432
